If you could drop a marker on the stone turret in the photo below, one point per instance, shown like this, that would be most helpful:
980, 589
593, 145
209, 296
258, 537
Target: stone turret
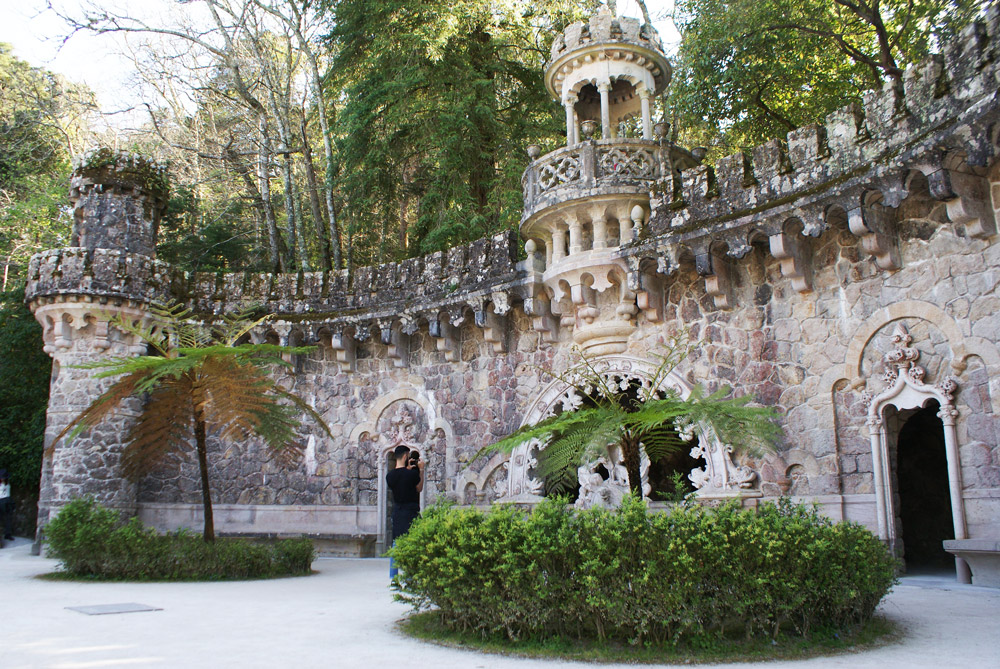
583, 204
75, 293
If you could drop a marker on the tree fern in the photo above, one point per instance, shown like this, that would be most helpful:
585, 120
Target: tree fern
196, 382
653, 419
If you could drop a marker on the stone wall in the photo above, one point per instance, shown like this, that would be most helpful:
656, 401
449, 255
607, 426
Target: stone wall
792, 265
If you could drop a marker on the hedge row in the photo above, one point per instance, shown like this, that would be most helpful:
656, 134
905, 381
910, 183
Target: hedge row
683, 576
91, 540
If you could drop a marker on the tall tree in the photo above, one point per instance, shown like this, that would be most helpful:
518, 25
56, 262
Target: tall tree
439, 100
198, 382
749, 70
43, 122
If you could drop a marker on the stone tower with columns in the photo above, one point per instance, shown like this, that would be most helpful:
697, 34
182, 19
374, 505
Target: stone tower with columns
587, 201
108, 272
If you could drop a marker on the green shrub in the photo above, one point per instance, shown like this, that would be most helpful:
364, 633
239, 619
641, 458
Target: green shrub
687, 575
91, 540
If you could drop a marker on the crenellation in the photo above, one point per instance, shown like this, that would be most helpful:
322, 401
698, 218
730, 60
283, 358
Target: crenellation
792, 264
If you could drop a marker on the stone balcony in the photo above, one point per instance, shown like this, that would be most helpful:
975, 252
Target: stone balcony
616, 166
582, 203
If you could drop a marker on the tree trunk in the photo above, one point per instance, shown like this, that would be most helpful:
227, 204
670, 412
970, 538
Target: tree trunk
629, 445
318, 220
206, 495
279, 252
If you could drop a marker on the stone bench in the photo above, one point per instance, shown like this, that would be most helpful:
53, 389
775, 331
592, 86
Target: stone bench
326, 544
983, 557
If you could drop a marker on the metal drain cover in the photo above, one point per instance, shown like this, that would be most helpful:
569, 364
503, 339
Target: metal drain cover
105, 609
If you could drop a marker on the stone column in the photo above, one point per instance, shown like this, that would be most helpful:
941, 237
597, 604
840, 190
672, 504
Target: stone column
570, 124
647, 121
575, 236
600, 225
947, 414
624, 230
605, 89
558, 243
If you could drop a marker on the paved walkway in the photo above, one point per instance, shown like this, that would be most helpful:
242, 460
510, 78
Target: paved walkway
344, 617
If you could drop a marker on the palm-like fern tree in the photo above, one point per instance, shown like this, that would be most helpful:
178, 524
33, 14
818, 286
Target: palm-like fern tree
644, 417
197, 381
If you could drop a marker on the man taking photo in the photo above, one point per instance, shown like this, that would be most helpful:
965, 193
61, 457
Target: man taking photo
406, 480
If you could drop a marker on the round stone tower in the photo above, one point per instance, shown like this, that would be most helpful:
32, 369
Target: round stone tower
76, 293
583, 203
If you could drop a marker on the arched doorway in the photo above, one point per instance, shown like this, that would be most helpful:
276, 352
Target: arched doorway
906, 392
708, 465
925, 509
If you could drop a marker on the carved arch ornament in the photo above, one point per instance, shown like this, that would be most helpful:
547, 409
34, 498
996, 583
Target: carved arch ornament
719, 478
397, 412
905, 389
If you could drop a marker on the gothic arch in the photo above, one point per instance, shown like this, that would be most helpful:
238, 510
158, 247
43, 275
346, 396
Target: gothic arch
905, 389
719, 478
400, 432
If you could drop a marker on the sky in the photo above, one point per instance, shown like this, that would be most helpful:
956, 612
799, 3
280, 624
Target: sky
39, 37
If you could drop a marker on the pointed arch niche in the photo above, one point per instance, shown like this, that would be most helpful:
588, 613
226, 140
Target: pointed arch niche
905, 389
719, 478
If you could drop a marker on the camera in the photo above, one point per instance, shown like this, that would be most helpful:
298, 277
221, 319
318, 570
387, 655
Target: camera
413, 459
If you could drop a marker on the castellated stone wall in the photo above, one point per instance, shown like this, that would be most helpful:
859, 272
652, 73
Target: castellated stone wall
846, 274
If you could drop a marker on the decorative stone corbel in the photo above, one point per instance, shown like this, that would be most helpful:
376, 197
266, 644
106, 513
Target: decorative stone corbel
344, 348
445, 336
397, 343
794, 254
542, 320
874, 223
718, 280
966, 198
492, 321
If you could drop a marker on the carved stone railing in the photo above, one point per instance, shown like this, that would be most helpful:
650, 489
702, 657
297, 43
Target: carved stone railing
598, 167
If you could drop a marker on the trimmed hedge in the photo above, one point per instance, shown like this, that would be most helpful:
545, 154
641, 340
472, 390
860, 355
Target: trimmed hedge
93, 541
687, 575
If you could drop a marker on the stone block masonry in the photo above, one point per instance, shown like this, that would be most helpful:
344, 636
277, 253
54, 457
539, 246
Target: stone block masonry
847, 274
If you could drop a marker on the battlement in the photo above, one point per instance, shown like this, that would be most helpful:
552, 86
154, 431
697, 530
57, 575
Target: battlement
858, 145
391, 288
117, 202
604, 28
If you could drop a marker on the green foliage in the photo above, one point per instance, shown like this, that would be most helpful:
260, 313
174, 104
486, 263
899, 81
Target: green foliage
91, 540
750, 70
41, 116
24, 391
199, 380
651, 415
440, 100
686, 576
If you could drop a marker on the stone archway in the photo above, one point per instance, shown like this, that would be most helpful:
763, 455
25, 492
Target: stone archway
906, 390
921, 485
719, 478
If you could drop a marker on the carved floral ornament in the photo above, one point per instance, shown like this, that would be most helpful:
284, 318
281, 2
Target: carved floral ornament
720, 477
905, 389
903, 377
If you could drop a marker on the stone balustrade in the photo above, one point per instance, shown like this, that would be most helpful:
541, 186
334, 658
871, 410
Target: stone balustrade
617, 166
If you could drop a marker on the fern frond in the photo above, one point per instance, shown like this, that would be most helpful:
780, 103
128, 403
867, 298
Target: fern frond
100, 408
164, 428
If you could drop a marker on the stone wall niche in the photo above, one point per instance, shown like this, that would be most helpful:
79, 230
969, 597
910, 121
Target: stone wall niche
905, 389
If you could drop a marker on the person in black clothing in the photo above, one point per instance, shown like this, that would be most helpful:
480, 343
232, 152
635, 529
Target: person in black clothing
6, 507
405, 481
